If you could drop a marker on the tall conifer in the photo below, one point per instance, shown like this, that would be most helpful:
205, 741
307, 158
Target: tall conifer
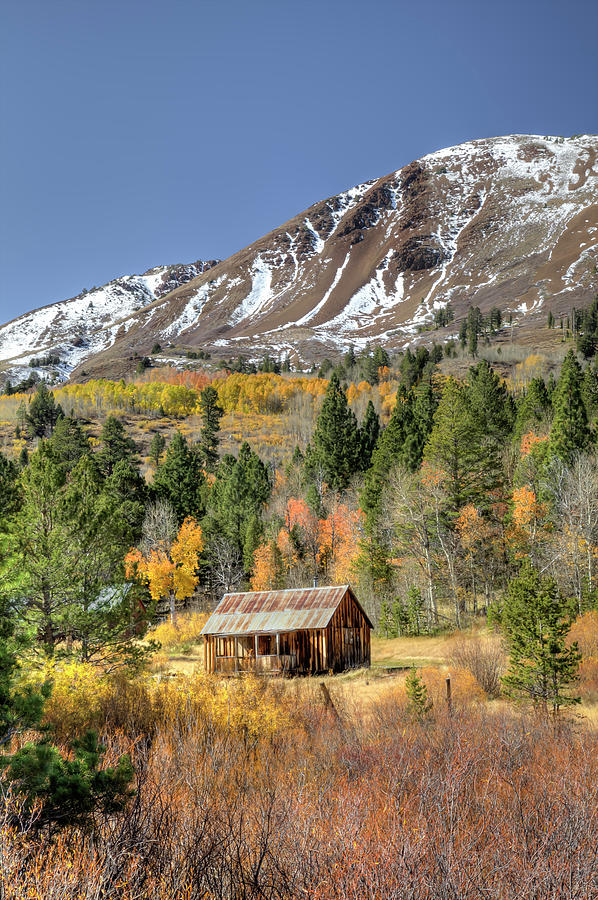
570, 431
117, 445
533, 408
536, 621
180, 479
211, 412
368, 433
455, 449
336, 440
399, 443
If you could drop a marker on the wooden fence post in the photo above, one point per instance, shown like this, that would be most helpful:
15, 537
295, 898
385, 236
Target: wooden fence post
328, 702
449, 696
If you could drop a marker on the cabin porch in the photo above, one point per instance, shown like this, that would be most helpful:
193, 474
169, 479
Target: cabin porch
300, 652
263, 653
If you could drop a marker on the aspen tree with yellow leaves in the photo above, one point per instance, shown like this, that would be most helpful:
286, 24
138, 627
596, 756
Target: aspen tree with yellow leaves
169, 571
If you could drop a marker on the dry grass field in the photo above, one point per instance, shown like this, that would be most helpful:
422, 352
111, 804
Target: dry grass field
356, 692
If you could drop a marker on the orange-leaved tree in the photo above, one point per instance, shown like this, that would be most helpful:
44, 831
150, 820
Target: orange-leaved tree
169, 571
339, 540
529, 528
267, 567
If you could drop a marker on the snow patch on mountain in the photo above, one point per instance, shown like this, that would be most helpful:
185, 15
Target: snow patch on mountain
367, 304
314, 312
192, 310
260, 293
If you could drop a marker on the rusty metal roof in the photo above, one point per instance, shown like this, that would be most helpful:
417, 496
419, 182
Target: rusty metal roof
262, 612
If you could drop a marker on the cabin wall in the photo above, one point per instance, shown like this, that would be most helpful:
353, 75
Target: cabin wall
344, 644
348, 637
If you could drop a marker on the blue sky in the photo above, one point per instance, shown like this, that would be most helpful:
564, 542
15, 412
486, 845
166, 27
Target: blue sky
142, 132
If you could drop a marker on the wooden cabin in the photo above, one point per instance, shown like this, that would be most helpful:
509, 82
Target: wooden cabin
296, 631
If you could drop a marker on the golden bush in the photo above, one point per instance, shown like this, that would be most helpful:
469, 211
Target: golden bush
588, 679
585, 632
465, 688
184, 631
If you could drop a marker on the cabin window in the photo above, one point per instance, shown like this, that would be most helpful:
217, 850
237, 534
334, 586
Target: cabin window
266, 645
245, 647
222, 647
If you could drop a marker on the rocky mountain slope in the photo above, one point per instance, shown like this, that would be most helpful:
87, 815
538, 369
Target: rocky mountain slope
509, 222
80, 328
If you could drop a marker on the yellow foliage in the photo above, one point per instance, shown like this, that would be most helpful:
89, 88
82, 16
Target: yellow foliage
184, 631
84, 698
248, 704
266, 566
264, 392
533, 366
79, 695
464, 687
585, 632
184, 553
169, 571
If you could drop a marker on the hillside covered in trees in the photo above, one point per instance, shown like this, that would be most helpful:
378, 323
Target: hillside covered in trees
460, 503
421, 488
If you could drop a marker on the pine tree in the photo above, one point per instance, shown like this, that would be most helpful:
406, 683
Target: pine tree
236, 502
43, 413
369, 432
570, 432
349, 360
22, 415
73, 790
419, 704
117, 445
127, 488
69, 442
491, 405
100, 616
40, 538
400, 617
381, 358
399, 444
473, 328
587, 338
426, 403
211, 412
368, 368
20, 708
536, 621
414, 609
157, 446
534, 409
495, 319
455, 450
9, 490
589, 391
336, 443
413, 366
492, 413
180, 479
463, 333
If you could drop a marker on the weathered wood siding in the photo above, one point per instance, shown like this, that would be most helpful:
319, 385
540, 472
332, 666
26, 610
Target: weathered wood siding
343, 644
348, 637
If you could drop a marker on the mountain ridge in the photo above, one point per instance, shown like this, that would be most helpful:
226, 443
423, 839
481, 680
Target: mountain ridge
508, 221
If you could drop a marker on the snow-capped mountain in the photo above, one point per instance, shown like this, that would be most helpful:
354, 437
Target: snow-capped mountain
79, 328
510, 222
